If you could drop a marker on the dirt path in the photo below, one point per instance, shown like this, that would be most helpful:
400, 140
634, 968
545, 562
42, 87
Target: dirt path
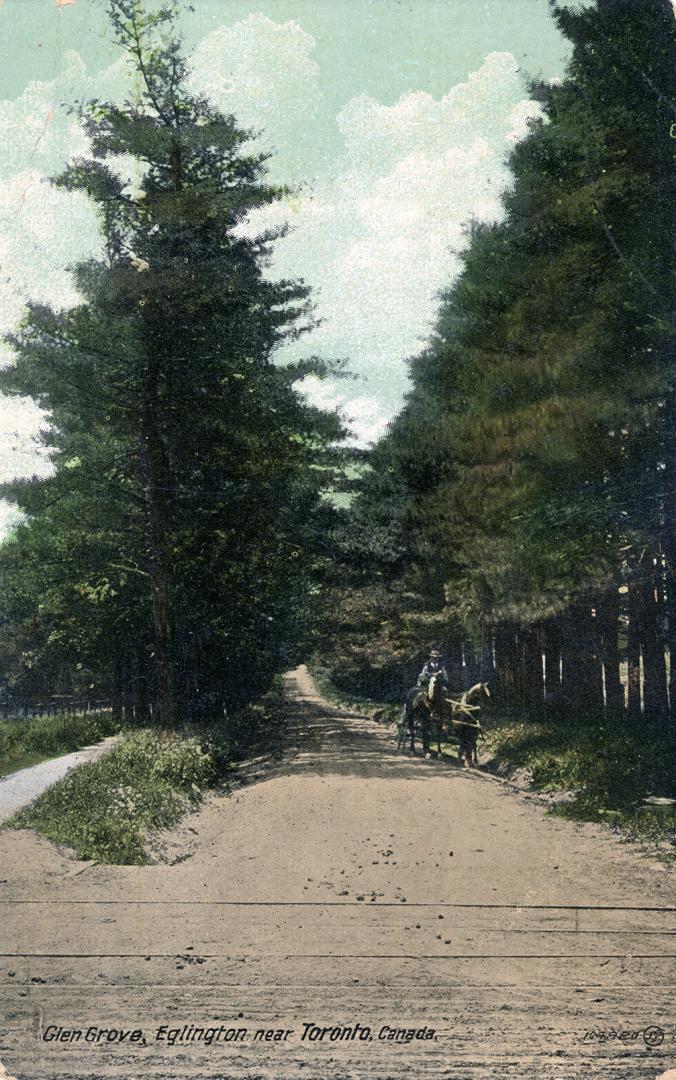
18, 789
343, 885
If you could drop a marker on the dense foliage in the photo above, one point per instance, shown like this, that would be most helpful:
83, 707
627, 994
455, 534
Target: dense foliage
106, 810
528, 484
172, 559
36, 738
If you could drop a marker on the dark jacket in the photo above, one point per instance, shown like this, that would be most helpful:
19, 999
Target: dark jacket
433, 667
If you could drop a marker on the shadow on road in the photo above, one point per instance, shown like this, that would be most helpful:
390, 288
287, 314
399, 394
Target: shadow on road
321, 739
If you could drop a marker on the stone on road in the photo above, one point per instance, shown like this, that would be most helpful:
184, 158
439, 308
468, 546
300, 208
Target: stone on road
343, 913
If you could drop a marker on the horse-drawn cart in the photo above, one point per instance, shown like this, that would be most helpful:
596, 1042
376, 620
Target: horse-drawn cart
431, 709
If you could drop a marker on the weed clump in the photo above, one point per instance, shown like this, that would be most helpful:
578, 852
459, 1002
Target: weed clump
104, 809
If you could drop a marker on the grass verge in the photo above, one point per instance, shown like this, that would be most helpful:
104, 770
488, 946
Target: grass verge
609, 767
105, 810
383, 711
27, 742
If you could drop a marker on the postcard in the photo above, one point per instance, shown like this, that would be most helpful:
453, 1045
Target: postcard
337, 539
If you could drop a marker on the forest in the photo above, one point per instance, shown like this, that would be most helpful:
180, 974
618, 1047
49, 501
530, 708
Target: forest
520, 510
205, 528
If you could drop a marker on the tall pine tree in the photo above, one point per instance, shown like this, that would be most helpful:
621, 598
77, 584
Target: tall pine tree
168, 364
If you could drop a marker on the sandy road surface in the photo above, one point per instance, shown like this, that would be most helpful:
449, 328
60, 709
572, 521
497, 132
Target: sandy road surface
20, 788
341, 885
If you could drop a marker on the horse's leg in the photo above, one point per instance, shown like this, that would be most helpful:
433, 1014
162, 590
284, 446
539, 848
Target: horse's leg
458, 737
444, 723
401, 728
464, 753
426, 734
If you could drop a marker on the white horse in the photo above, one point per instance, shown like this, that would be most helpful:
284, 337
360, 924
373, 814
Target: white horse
467, 726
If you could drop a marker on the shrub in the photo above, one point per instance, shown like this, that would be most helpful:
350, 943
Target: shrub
104, 809
609, 765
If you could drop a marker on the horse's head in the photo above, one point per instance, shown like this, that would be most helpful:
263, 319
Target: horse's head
435, 690
476, 692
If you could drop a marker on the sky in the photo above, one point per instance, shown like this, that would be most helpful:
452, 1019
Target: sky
389, 119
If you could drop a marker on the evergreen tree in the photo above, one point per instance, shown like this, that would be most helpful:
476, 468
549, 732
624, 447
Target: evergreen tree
163, 394
537, 440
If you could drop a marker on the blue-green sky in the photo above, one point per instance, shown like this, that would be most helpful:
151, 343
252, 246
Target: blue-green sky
391, 118
380, 47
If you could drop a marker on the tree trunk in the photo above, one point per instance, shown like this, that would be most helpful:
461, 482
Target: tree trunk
592, 670
669, 544
472, 665
155, 485
142, 690
655, 700
569, 654
670, 555
634, 656
486, 665
185, 665
506, 663
533, 683
116, 693
609, 626
454, 668
582, 680
127, 702
553, 663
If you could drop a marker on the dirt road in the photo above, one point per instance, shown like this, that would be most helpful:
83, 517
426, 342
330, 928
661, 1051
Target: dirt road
335, 897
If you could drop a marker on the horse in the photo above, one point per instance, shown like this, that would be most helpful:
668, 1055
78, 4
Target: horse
467, 728
423, 707
414, 711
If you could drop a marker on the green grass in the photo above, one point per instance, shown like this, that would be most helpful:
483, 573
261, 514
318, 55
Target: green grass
26, 742
103, 809
106, 810
609, 767
378, 710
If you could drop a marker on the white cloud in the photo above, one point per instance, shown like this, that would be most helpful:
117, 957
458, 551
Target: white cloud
19, 425
366, 419
363, 415
21, 453
36, 130
42, 232
520, 119
380, 237
377, 136
263, 73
